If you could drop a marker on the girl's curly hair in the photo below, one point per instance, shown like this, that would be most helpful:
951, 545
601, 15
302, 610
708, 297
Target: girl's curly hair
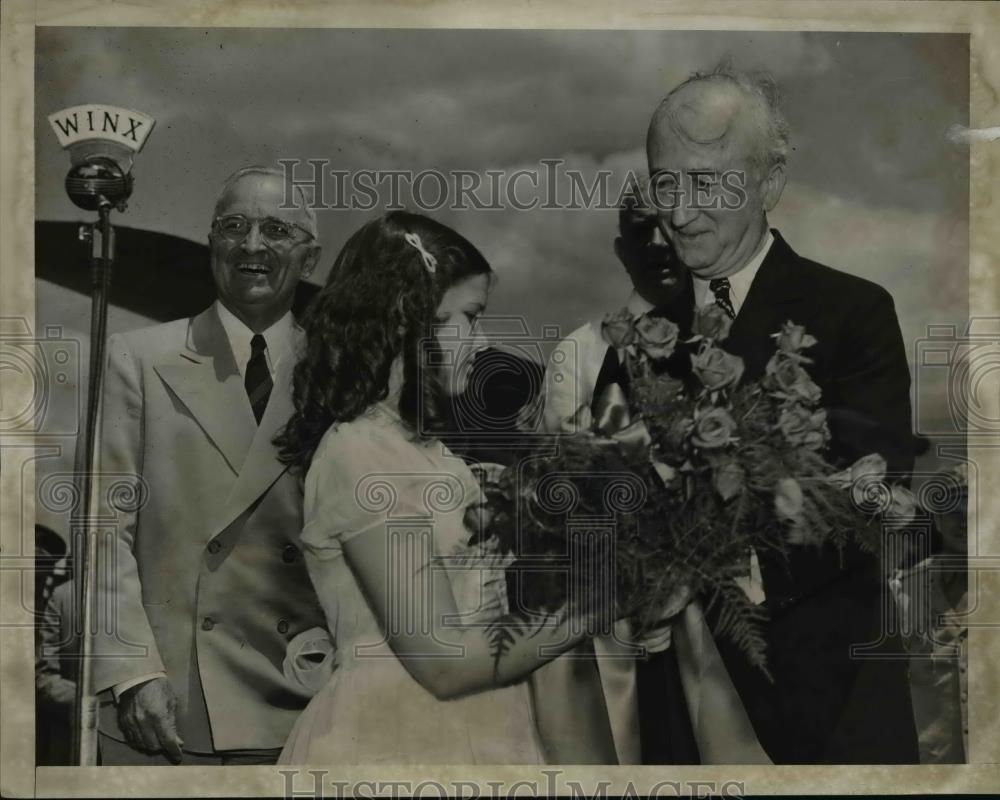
379, 302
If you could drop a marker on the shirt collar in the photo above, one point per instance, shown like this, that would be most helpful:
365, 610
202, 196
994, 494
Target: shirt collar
739, 282
279, 337
638, 305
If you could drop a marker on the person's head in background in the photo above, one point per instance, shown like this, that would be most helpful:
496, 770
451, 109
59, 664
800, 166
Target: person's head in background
397, 320
717, 146
260, 248
644, 251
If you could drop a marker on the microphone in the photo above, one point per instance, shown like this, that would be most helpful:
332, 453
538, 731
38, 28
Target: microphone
98, 180
101, 141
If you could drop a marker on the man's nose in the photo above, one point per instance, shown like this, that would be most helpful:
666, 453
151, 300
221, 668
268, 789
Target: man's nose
253, 242
682, 213
657, 239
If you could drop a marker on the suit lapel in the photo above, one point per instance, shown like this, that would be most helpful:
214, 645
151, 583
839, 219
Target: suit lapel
774, 296
261, 467
205, 379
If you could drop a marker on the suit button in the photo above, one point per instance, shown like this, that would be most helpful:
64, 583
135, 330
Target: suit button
214, 546
207, 624
290, 553
282, 626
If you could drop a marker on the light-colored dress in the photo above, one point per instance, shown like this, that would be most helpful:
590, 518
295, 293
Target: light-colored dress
370, 476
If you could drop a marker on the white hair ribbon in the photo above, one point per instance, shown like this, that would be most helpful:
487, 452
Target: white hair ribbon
430, 263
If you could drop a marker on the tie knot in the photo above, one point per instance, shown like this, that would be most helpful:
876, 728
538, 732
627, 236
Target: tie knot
257, 344
719, 285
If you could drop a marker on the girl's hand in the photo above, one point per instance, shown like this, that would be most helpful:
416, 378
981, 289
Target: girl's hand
657, 638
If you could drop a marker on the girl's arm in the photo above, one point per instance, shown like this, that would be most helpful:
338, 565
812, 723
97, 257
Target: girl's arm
412, 597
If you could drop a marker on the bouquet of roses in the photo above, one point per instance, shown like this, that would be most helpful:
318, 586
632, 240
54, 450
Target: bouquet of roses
689, 478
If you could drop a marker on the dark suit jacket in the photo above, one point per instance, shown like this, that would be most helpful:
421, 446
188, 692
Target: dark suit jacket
825, 706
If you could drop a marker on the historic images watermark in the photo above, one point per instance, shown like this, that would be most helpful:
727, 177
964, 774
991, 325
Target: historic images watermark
960, 366
547, 186
42, 365
318, 783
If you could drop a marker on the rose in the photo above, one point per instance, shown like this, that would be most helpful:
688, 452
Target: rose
904, 505
786, 378
712, 322
804, 428
864, 478
792, 338
871, 467
727, 478
867, 475
618, 329
716, 368
656, 336
713, 428
789, 500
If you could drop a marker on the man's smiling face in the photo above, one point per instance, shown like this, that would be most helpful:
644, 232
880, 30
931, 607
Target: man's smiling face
704, 135
254, 276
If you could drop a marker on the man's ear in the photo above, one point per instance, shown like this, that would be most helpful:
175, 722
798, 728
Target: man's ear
772, 186
620, 250
311, 260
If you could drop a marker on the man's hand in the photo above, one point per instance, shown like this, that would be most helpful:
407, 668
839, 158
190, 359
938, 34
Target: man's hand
657, 638
676, 602
147, 717
61, 692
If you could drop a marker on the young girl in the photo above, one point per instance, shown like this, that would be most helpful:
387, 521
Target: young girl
390, 335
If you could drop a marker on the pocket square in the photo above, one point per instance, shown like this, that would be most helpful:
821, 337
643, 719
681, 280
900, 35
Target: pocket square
310, 659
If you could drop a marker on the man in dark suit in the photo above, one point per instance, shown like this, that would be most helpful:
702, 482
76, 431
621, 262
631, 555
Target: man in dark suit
717, 146
203, 574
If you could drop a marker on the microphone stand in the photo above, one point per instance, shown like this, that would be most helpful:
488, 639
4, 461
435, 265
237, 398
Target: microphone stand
86, 527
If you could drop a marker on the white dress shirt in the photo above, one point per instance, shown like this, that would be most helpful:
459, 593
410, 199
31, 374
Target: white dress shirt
278, 338
739, 282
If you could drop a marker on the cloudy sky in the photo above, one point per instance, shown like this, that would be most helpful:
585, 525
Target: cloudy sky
873, 187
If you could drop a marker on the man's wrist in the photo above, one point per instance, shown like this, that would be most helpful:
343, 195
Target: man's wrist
120, 688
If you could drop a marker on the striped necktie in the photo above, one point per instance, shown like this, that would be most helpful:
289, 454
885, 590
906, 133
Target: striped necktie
257, 379
720, 288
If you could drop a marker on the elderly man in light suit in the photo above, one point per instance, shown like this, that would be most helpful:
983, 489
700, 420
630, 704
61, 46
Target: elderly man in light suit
203, 577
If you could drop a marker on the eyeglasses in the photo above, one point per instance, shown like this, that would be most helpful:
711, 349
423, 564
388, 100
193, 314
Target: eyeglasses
235, 227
